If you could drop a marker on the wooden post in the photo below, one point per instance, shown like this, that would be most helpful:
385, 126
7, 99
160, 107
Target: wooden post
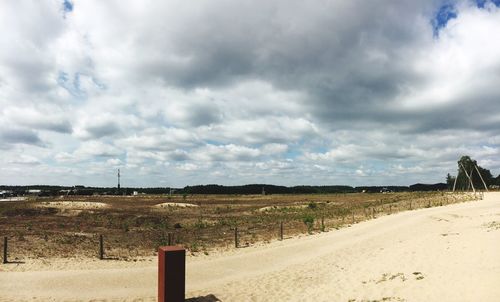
390, 209
171, 274
410, 205
236, 237
455, 182
281, 230
353, 221
373, 213
322, 223
101, 247
469, 177
5, 260
170, 239
485, 187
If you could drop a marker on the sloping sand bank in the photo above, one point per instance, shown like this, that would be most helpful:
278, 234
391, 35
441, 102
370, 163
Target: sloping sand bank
73, 204
438, 254
175, 204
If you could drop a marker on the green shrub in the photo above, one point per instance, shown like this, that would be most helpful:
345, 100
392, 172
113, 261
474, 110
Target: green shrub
309, 222
312, 205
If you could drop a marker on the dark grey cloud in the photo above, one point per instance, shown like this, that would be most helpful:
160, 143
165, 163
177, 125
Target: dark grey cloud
102, 129
10, 136
349, 58
50, 123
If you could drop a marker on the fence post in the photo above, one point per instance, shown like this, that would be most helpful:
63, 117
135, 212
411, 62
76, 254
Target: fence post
322, 223
373, 213
171, 274
281, 230
101, 247
390, 209
410, 205
5, 260
353, 217
170, 239
236, 237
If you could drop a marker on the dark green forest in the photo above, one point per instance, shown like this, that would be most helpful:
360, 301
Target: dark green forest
217, 189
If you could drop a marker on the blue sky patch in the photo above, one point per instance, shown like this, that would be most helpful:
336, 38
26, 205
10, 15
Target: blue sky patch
71, 84
67, 6
482, 3
445, 13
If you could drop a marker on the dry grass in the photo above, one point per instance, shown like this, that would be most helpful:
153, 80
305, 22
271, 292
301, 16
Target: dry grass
136, 226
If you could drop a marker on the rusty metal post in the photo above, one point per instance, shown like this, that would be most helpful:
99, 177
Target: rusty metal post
101, 247
171, 274
5, 260
281, 230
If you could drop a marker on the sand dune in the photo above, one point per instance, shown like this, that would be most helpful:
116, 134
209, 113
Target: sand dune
73, 204
175, 204
446, 253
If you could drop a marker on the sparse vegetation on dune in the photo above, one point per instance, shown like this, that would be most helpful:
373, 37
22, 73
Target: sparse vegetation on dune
136, 226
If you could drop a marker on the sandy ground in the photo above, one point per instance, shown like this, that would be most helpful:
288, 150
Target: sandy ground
13, 199
73, 204
449, 253
272, 208
175, 204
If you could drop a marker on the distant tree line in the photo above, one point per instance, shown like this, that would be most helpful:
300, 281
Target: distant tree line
45, 190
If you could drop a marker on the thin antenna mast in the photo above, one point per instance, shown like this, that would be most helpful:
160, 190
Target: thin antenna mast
118, 179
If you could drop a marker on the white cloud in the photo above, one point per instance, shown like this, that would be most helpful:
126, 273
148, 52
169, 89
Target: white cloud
24, 159
299, 92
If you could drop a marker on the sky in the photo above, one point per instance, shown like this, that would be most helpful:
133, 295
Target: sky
312, 92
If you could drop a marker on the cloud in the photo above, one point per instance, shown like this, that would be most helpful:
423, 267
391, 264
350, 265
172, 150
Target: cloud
285, 92
12, 136
90, 150
41, 119
24, 159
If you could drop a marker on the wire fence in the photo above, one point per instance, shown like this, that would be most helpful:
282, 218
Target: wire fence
136, 241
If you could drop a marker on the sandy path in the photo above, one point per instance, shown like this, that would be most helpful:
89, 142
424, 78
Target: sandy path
447, 253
